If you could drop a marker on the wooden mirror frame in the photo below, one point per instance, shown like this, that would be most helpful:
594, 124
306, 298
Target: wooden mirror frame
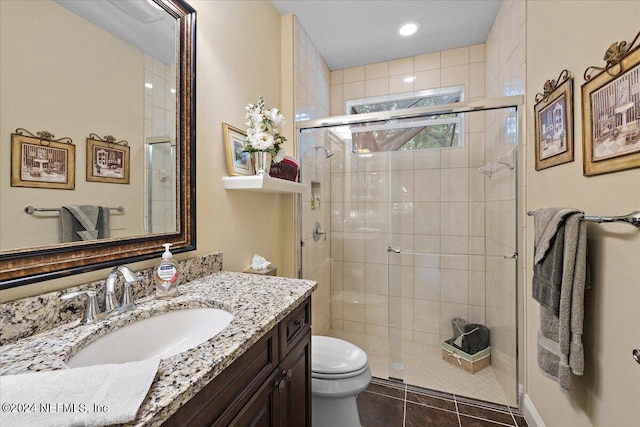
25, 266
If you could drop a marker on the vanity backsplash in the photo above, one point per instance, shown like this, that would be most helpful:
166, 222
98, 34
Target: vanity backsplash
32, 315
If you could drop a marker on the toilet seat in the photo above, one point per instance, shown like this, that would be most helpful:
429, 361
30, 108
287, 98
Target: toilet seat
333, 358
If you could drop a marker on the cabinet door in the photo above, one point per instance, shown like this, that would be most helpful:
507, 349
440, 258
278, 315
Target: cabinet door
262, 410
295, 370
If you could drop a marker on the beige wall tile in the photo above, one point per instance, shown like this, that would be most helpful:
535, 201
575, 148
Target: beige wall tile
426, 218
377, 309
454, 184
376, 71
427, 185
428, 79
457, 75
426, 315
354, 90
337, 103
476, 80
336, 77
426, 283
452, 57
454, 286
350, 326
401, 66
377, 279
397, 83
454, 218
428, 61
355, 74
377, 87
476, 52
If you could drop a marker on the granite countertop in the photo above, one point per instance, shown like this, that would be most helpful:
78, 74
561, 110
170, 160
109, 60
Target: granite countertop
257, 303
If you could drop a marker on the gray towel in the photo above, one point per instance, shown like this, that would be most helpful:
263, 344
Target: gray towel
83, 222
560, 350
548, 256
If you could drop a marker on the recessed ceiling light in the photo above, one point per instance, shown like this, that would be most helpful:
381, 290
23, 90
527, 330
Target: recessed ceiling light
409, 79
408, 28
173, 90
148, 85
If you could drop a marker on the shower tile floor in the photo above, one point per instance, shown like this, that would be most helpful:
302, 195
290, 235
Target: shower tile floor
424, 367
387, 403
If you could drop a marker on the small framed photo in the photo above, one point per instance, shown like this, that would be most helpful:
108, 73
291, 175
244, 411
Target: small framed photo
238, 161
41, 163
611, 119
553, 115
107, 162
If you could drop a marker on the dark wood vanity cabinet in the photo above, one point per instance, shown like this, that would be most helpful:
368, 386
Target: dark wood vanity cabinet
269, 385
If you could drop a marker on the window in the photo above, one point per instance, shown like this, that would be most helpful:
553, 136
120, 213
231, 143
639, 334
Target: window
437, 131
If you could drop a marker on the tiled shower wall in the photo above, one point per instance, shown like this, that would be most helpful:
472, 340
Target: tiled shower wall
435, 198
159, 121
505, 76
311, 90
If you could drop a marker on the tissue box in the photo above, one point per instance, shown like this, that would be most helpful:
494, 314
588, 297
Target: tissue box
471, 363
269, 271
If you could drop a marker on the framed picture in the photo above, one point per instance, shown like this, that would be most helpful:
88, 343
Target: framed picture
238, 162
42, 163
553, 115
107, 161
611, 119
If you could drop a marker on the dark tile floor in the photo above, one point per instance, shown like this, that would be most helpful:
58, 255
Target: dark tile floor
393, 404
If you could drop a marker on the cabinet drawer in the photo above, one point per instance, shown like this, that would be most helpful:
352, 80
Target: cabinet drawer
226, 394
294, 326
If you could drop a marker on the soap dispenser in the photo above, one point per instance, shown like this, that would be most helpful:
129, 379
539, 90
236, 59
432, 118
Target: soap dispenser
166, 275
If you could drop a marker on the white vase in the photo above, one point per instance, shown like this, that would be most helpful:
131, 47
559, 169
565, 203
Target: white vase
261, 162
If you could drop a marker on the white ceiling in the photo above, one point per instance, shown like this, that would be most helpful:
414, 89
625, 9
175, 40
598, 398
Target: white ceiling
349, 33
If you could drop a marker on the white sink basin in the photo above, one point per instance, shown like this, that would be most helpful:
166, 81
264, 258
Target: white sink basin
160, 336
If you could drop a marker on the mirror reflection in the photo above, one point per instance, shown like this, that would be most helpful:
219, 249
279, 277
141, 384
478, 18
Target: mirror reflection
76, 68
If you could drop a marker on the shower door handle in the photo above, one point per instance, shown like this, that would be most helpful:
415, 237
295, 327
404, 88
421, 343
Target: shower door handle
394, 250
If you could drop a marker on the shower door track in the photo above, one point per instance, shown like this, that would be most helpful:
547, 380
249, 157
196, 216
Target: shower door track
408, 113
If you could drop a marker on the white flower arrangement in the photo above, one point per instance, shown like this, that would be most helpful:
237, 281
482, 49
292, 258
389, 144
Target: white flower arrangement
263, 132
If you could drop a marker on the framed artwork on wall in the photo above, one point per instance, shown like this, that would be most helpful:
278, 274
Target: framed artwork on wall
42, 162
238, 161
107, 160
611, 116
553, 113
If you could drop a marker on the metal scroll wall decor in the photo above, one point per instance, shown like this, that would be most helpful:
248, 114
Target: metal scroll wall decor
108, 160
554, 122
41, 161
611, 111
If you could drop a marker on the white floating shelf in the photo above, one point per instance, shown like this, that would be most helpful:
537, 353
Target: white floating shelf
262, 183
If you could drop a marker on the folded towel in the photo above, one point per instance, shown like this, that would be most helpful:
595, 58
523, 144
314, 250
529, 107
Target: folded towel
92, 396
83, 222
560, 350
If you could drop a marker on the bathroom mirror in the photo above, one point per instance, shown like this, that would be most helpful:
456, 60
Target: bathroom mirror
74, 68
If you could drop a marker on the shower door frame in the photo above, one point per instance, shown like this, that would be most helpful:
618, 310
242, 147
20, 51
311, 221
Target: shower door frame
515, 102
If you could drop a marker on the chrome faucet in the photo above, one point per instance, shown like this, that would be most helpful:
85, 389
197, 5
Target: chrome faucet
92, 312
130, 278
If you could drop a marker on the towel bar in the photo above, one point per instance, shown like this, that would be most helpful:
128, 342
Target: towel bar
31, 209
633, 218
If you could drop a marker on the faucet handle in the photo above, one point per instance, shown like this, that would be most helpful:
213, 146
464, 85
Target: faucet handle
127, 297
91, 311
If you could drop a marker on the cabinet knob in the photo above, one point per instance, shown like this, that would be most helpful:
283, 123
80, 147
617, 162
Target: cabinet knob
287, 374
279, 385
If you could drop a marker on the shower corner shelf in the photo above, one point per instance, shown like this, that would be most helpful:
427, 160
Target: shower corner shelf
261, 183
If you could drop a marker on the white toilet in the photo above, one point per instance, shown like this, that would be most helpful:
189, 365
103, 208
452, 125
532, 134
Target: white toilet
339, 372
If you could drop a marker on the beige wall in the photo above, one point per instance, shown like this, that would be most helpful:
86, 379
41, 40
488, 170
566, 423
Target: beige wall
238, 59
63, 84
574, 35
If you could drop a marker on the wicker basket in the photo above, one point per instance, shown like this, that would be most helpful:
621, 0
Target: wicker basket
471, 363
287, 169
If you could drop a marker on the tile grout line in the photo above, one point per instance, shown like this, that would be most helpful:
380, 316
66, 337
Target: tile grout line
404, 412
455, 400
515, 423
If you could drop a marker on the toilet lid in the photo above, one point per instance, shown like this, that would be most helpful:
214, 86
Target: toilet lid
335, 356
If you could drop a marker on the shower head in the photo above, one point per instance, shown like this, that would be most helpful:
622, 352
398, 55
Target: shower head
328, 153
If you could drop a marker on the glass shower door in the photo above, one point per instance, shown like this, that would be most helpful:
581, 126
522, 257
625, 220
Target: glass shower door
452, 250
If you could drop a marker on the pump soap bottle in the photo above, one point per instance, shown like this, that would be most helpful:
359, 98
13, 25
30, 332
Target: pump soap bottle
166, 275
